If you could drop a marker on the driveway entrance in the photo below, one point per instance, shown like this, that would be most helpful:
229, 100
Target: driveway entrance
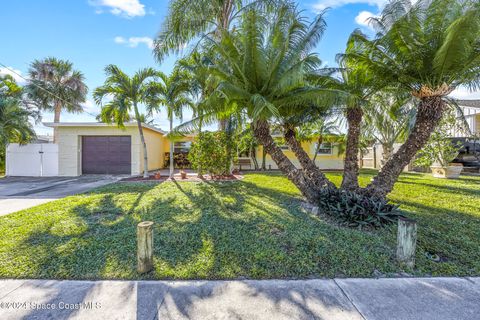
18, 193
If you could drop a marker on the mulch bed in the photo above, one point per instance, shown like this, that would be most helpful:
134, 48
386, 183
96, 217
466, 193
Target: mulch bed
191, 177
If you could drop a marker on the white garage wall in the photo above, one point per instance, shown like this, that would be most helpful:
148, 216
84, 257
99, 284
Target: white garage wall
32, 160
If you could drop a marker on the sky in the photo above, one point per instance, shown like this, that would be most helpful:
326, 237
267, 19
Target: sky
94, 33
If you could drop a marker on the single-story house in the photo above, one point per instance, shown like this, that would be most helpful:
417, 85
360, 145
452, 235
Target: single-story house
99, 148
329, 157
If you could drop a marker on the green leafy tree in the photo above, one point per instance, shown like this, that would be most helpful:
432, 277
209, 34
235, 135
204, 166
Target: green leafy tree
9, 87
210, 154
55, 86
428, 48
440, 149
15, 125
126, 94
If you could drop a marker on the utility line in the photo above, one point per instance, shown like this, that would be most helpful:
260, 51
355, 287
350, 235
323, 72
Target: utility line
46, 90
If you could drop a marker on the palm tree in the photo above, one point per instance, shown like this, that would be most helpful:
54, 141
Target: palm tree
126, 94
388, 117
172, 92
324, 129
55, 86
188, 20
14, 124
428, 48
265, 77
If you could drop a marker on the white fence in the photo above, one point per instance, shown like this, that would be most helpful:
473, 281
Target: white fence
32, 160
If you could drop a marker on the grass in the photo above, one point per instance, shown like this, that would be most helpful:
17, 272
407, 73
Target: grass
248, 229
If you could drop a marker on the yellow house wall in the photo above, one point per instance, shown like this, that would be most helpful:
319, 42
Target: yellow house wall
70, 147
166, 142
323, 161
155, 149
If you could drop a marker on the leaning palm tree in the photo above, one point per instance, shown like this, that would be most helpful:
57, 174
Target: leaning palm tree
428, 49
172, 92
126, 94
261, 71
55, 86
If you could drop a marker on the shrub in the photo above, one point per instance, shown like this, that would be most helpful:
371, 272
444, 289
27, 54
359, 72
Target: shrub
211, 153
356, 210
440, 149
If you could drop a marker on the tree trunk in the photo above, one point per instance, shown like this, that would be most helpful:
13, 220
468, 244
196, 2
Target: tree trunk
262, 133
264, 159
429, 114
387, 151
172, 166
145, 158
311, 170
253, 156
319, 142
56, 119
351, 169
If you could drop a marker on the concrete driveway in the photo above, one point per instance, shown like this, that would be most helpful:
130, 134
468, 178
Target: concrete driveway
18, 193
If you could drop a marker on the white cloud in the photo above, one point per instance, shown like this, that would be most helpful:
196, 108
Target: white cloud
363, 18
124, 8
323, 4
465, 94
16, 74
133, 42
90, 107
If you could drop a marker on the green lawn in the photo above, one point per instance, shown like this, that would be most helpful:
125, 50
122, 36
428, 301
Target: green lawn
252, 228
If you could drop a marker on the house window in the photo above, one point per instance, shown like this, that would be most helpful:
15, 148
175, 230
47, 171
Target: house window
181, 146
325, 148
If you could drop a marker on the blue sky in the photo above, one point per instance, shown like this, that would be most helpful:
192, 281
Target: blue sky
94, 33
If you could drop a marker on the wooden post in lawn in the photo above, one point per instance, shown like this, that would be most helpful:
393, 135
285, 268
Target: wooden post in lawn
406, 241
145, 246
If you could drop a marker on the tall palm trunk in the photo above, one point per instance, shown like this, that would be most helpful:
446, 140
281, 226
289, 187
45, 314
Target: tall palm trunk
319, 143
264, 159
261, 130
430, 112
172, 166
56, 119
144, 144
311, 170
387, 151
253, 156
351, 168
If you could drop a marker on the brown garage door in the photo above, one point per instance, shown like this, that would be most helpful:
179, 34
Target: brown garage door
106, 154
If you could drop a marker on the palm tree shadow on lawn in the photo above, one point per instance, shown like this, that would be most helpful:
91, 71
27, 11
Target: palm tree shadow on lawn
204, 230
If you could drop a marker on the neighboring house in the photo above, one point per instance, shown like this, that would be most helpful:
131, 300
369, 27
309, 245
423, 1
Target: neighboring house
471, 111
329, 156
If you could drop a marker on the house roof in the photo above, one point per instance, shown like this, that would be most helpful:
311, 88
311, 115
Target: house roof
99, 124
469, 103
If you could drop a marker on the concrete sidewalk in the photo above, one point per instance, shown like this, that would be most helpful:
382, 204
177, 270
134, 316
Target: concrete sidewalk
405, 298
